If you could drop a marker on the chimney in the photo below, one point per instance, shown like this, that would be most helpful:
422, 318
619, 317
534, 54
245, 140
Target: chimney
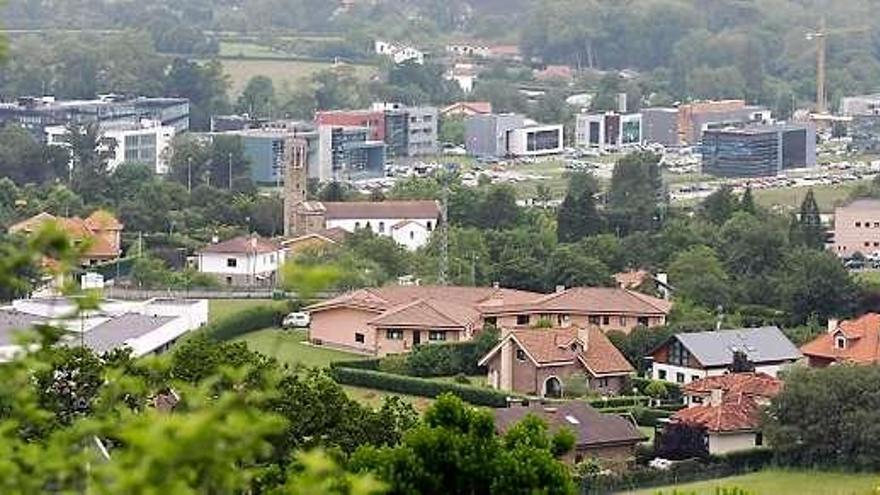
715, 397
833, 324
214, 239
254, 242
560, 288
583, 334
621, 103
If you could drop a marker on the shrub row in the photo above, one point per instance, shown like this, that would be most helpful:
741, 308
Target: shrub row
623, 401
417, 386
360, 364
246, 321
680, 472
452, 358
673, 390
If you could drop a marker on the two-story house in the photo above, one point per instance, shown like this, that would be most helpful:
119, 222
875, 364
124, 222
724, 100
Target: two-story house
686, 357
855, 341
242, 261
99, 235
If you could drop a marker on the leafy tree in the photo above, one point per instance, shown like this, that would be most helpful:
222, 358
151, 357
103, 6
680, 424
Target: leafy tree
577, 216
204, 84
719, 206
499, 209
635, 193
456, 450
24, 160
699, 276
747, 202
814, 283
257, 99
751, 247
571, 267
452, 130
89, 153
682, 441
822, 417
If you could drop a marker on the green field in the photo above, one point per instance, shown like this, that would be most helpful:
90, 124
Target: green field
291, 347
790, 198
221, 308
374, 398
281, 72
780, 482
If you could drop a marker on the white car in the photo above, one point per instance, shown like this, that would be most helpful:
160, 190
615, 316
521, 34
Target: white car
299, 319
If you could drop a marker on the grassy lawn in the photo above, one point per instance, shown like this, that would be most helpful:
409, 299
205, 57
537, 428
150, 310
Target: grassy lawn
290, 347
280, 71
221, 308
475, 380
648, 431
374, 398
826, 196
780, 482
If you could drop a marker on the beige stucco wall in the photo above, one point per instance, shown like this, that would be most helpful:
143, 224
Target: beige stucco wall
337, 326
721, 444
849, 239
385, 346
622, 323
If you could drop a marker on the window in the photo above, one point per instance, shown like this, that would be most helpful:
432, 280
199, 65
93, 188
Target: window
575, 347
492, 320
697, 400
606, 320
661, 374
876, 225
412, 234
840, 342
867, 244
594, 320
368, 226
394, 334
436, 335
642, 321
679, 377
759, 439
858, 224
381, 227
602, 382
359, 338
522, 319
694, 378
678, 355
228, 280
623, 321
430, 225
231, 262
520, 355
357, 225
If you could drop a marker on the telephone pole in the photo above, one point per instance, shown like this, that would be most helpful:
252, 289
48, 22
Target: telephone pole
444, 233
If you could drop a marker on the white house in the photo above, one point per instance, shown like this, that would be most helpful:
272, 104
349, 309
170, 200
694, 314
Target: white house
469, 49
242, 261
687, 357
147, 142
410, 223
399, 53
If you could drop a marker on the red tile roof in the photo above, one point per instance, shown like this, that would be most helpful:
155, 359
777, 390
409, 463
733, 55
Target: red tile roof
554, 345
753, 384
606, 300
242, 245
736, 412
354, 210
862, 341
80, 231
432, 313
477, 107
385, 298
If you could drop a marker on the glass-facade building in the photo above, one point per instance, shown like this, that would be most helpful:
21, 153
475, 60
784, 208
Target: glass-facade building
758, 151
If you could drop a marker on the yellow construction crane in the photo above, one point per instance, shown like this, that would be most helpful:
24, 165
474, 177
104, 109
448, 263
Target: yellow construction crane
820, 35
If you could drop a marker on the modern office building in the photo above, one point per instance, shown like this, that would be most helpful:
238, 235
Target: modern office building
406, 131
487, 135
147, 142
865, 133
609, 130
757, 151
692, 119
535, 140
857, 227
108, 111
346, 152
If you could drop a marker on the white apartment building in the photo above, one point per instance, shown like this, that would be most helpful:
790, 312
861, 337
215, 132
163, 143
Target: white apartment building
535, 140
147, 143
249, 261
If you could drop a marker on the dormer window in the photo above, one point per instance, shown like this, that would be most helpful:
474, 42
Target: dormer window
575, 347
840, 342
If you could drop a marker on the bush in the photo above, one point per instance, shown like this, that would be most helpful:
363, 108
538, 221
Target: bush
453, 358
462, 378
673, 390
622, 401
417, 386
246, 321
360, 364
575, 385
395, 363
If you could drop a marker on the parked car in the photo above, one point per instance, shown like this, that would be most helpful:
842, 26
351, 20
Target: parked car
299, 319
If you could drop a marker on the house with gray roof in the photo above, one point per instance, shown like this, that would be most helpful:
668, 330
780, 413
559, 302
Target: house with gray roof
13, 324
686, 357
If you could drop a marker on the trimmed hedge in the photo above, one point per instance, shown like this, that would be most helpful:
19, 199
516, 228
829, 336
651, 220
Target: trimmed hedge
673, 390
451, 359
417, 386
624, 401
246, 321
360, 364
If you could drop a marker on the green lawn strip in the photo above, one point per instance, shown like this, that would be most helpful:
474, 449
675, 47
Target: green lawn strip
374, 398
827, 196
221, 308
291, 347
780, 482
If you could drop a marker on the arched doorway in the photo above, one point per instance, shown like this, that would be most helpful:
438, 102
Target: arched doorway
552, 387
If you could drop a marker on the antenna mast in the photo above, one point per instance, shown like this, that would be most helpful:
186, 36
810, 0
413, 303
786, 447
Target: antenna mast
444, 232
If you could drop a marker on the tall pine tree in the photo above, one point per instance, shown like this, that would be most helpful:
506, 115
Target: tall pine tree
577, 216
811, 233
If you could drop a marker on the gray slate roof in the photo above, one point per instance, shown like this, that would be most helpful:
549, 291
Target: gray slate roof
762, 345
13, 321
591, 427
114, 332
